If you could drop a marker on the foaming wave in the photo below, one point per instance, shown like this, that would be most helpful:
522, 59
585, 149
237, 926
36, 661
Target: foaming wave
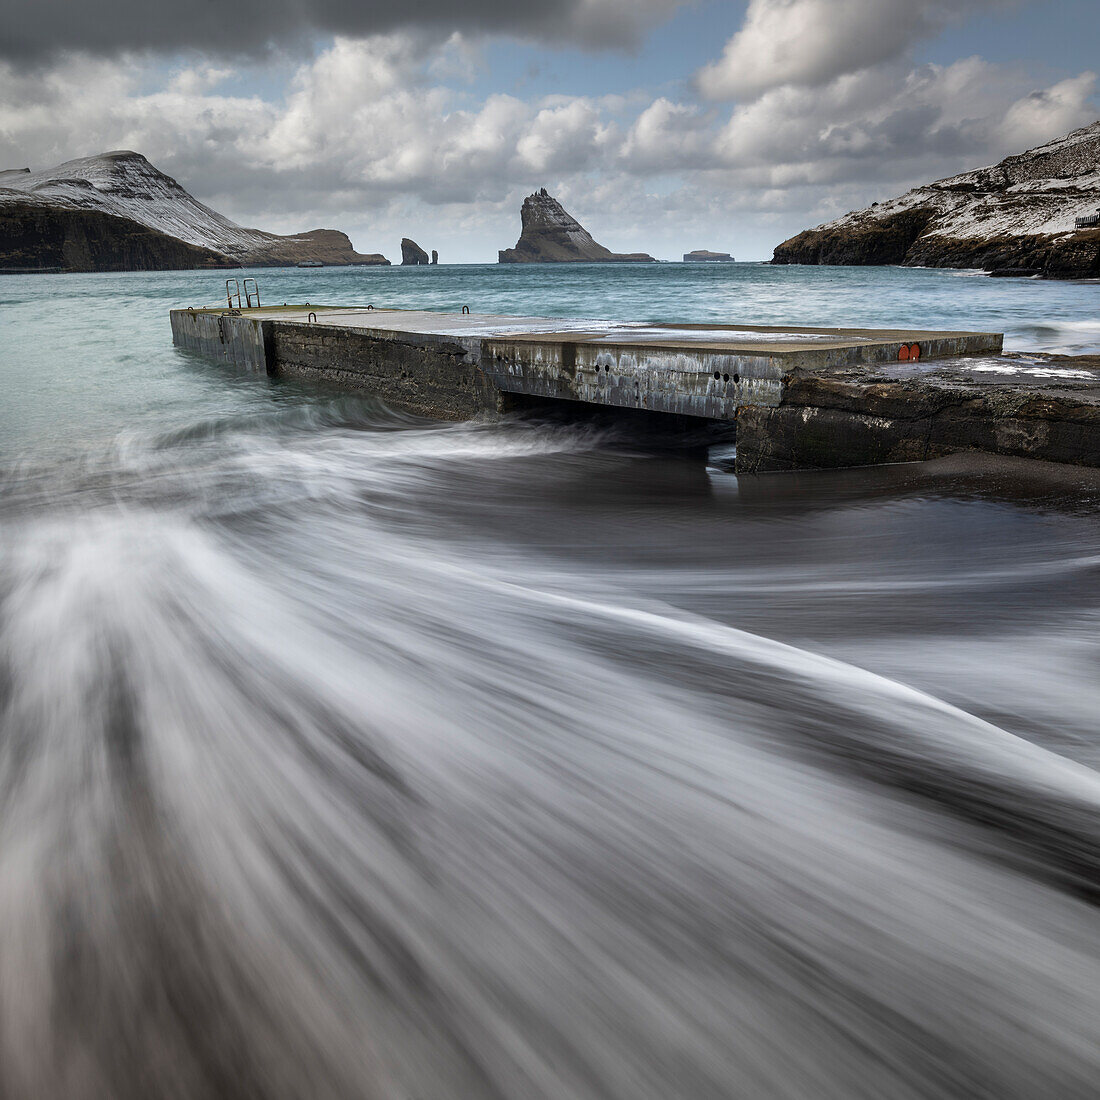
304, 795
1062, 337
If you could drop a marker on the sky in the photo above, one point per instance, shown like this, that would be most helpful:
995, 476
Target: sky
662, 125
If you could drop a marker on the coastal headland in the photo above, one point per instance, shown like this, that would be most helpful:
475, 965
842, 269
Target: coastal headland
118, 212
1034, 213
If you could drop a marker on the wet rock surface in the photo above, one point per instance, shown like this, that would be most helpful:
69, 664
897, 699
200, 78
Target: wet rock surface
1025, 406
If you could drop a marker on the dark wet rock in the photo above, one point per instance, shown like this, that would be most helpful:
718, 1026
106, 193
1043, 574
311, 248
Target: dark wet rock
412, 254
885, 240
435, 256
864, 416
550, 235
36, 238
1019, 214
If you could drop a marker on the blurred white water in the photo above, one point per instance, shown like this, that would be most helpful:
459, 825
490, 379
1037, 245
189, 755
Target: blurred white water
345, 756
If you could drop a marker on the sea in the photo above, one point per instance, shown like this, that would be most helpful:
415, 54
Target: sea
348, 754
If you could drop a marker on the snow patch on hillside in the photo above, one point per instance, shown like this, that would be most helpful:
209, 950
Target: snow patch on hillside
125, 184
1038, 192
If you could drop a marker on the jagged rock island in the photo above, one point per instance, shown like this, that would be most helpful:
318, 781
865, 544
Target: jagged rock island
704, 256
117, 212
1019, 216
550, 235
412, 255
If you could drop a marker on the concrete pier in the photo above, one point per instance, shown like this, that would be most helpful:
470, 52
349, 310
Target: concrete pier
766, 378
706, 370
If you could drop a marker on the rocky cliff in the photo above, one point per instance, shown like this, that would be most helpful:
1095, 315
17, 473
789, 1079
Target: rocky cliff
1018, 214
550, 235
37, 236
412, 255
116, 197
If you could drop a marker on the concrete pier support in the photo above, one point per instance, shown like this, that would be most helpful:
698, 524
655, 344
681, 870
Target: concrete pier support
225, 335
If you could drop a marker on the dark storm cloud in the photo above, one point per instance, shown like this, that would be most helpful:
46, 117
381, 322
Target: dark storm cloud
30, 31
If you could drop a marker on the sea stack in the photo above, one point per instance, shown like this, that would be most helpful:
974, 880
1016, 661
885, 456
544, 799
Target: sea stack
702, 256
412, 255
1029, 214
435, 256
550, 235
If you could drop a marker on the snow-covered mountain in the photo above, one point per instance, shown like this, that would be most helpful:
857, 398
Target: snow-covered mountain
1020, 213
123, 184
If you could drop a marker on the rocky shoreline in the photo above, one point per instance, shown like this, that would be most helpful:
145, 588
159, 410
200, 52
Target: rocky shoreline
1016, 405
901, 240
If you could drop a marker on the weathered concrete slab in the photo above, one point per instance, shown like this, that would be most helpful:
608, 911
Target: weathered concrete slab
705, 370
222, 335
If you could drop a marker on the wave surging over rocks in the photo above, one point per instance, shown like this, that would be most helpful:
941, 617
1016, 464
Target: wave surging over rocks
358, 758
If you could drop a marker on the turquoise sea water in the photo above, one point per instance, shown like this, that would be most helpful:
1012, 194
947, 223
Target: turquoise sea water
347, 755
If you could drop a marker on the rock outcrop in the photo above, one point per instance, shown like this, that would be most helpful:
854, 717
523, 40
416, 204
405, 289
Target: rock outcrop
120, 206
412, 255
869, 415
1016, 215
703, 256
550, 235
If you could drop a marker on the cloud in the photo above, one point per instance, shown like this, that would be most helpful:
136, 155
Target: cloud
666, 137
915, 124
878, 122
1049, 112
565, 138
811, 42
108, 28
384, 138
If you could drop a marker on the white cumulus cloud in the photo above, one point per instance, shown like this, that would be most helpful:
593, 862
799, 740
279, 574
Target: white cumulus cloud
1047, 112
810, 42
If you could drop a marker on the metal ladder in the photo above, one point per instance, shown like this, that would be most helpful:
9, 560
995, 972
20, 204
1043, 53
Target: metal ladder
233, 290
